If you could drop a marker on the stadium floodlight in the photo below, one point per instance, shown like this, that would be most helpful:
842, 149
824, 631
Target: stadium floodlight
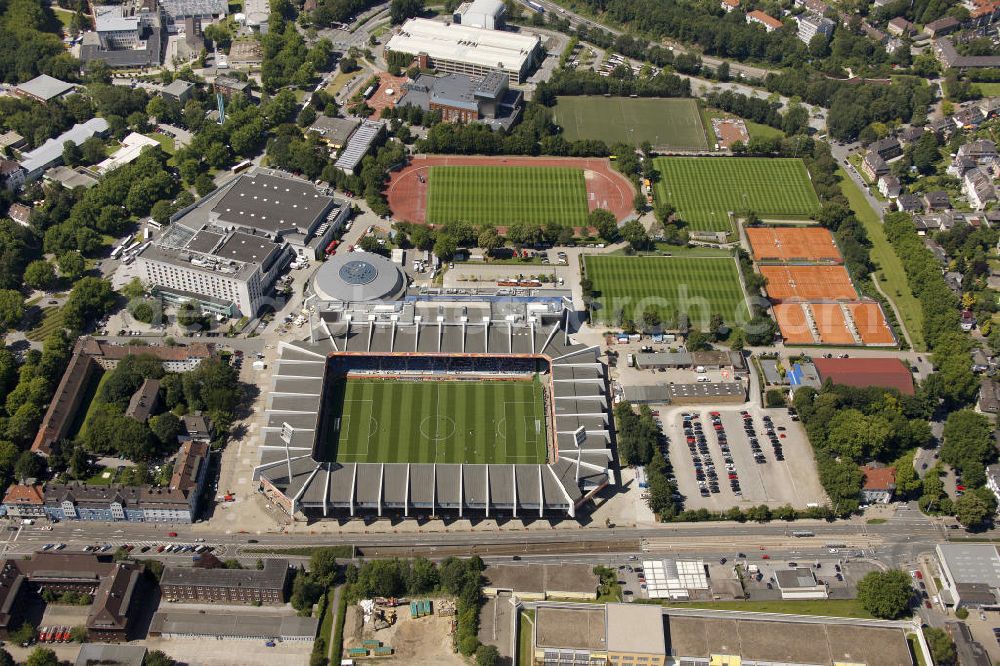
286, 436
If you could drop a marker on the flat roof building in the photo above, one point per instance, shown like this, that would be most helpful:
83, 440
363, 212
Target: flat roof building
460, 49
487, 14
243, 586
620, 634
178, 89
811, 25
104, 654
334, 131
44, 88
970, 574
546, 581
227, 251
800, 584
228, 625
125, 36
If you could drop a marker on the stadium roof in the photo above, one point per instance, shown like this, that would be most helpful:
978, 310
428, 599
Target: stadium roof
403, 328
44, 87
865, 372
461, 43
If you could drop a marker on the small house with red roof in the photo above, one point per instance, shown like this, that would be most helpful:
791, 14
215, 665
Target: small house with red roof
879, 484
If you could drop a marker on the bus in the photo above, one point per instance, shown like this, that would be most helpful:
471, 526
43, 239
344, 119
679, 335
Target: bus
245, 164
537, 7
803, 533
118, 250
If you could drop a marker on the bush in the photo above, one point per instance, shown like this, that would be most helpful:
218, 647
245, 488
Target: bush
775, 398
962, 613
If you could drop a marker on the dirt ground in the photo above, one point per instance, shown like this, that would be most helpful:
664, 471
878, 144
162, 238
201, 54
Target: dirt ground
426, 640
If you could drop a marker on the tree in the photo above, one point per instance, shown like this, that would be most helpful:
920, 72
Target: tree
941, 645
968, 443
925, 153
42, 656
605, 223
71, 154
489, 239
91, 298
166, 427
635, 235
973, 511
885, 594
445, 247
204, 184
6, 659
92, 150
650, 319
11, 308
487, 655
400, 10
71, 265
28, 466
323, 566
189, 314
159, 658
857, 436
39, 274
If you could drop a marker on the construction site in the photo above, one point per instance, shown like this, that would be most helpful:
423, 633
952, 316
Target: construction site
402, 631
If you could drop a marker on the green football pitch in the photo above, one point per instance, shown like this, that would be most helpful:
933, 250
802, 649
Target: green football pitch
665, 123
504, 195
704, 190
396, 421
672, 286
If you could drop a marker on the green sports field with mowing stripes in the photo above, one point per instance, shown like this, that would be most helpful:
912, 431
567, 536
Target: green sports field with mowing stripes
705, 189
503, 195
665, 123
698, 287
397, 421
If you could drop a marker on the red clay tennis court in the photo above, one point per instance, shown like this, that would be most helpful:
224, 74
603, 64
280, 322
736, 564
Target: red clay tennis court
794, 326
831, 324
808, 283
792, 244
870, 322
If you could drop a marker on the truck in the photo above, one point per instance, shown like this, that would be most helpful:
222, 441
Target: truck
535, 6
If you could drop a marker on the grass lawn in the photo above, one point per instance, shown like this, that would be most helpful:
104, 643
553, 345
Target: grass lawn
65, 16
52, 321
987, 89
342, 80
756, 130
506, 195
895, 285
918, 654
166, 142
526, 626
830, 607
706, 189
88, 404
104, 476
666, 123
441, 421
698, 287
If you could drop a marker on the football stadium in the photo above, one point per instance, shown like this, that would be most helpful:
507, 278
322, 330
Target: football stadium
442, 403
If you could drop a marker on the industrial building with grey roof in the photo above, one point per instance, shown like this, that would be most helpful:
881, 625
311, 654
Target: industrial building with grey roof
438, 324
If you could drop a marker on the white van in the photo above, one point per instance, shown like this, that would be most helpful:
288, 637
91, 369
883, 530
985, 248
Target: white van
703, 378
700, 368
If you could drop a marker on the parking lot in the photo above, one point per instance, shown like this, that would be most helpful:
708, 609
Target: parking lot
778, 470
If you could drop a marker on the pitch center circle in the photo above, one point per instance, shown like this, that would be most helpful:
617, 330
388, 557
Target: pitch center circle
437, 428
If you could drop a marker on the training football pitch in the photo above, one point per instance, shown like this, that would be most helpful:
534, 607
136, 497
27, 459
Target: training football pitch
398, 421
672, 286
705, 189
504, 195
665, 123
